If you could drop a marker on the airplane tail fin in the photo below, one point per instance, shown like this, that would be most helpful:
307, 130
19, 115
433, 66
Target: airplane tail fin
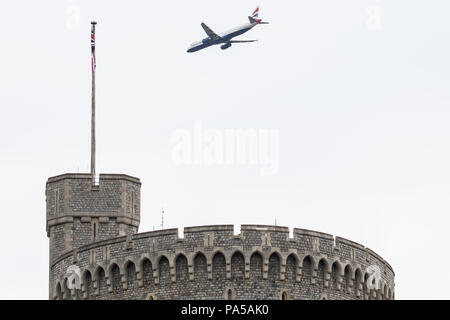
254, 17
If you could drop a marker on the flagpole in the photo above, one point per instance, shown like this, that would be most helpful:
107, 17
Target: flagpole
93, 107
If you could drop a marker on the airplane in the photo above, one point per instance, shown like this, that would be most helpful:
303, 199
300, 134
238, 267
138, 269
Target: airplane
226, 38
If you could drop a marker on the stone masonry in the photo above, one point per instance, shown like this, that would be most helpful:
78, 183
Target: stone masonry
95, 228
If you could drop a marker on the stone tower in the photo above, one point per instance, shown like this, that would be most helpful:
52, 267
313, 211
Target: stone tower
79, 212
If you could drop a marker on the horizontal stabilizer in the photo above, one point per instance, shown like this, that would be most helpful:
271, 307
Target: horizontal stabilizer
239, 41
253, 20
258, 21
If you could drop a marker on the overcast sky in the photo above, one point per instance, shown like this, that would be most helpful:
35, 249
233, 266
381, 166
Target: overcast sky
357, 91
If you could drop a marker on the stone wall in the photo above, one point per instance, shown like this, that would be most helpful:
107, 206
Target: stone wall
210, 262
79, 212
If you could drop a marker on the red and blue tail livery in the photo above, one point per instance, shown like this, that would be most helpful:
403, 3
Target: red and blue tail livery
255, 15
226, 38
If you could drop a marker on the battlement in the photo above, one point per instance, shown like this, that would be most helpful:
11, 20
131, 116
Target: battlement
95, 227
218, 228
310, 233
74, 195
103, 177
168, 240
157, 259
80, 212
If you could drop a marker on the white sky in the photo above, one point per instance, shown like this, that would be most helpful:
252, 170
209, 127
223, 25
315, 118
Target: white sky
362, 115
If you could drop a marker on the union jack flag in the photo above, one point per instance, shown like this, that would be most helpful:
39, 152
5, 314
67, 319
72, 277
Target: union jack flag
93, 48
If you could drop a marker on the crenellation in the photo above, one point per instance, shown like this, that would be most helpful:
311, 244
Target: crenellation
95, 227
176, 267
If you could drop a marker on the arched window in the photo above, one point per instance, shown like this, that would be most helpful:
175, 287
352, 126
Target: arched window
307, 266
256, 266
147, 270
357, 283
101, 282
219, 266
151, 296
88, 285
131, 276
230, 293
237, 266
274, 267
284, 296
366, 291
321, 269
346, 283
200, 267
58, 293
291, 268
335, 275
67, 293
116, 280
181, 268
164, 271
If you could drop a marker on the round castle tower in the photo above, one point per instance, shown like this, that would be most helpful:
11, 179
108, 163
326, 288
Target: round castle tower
95, 228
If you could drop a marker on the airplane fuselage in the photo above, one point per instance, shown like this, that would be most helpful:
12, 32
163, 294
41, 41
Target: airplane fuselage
225, 37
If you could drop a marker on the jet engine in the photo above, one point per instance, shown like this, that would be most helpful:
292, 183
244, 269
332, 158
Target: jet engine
225, 46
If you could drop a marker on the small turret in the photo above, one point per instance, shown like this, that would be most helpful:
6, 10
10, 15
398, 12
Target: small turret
80, 212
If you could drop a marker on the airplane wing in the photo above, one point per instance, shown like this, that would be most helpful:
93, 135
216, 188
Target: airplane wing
209, 32
240, 41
